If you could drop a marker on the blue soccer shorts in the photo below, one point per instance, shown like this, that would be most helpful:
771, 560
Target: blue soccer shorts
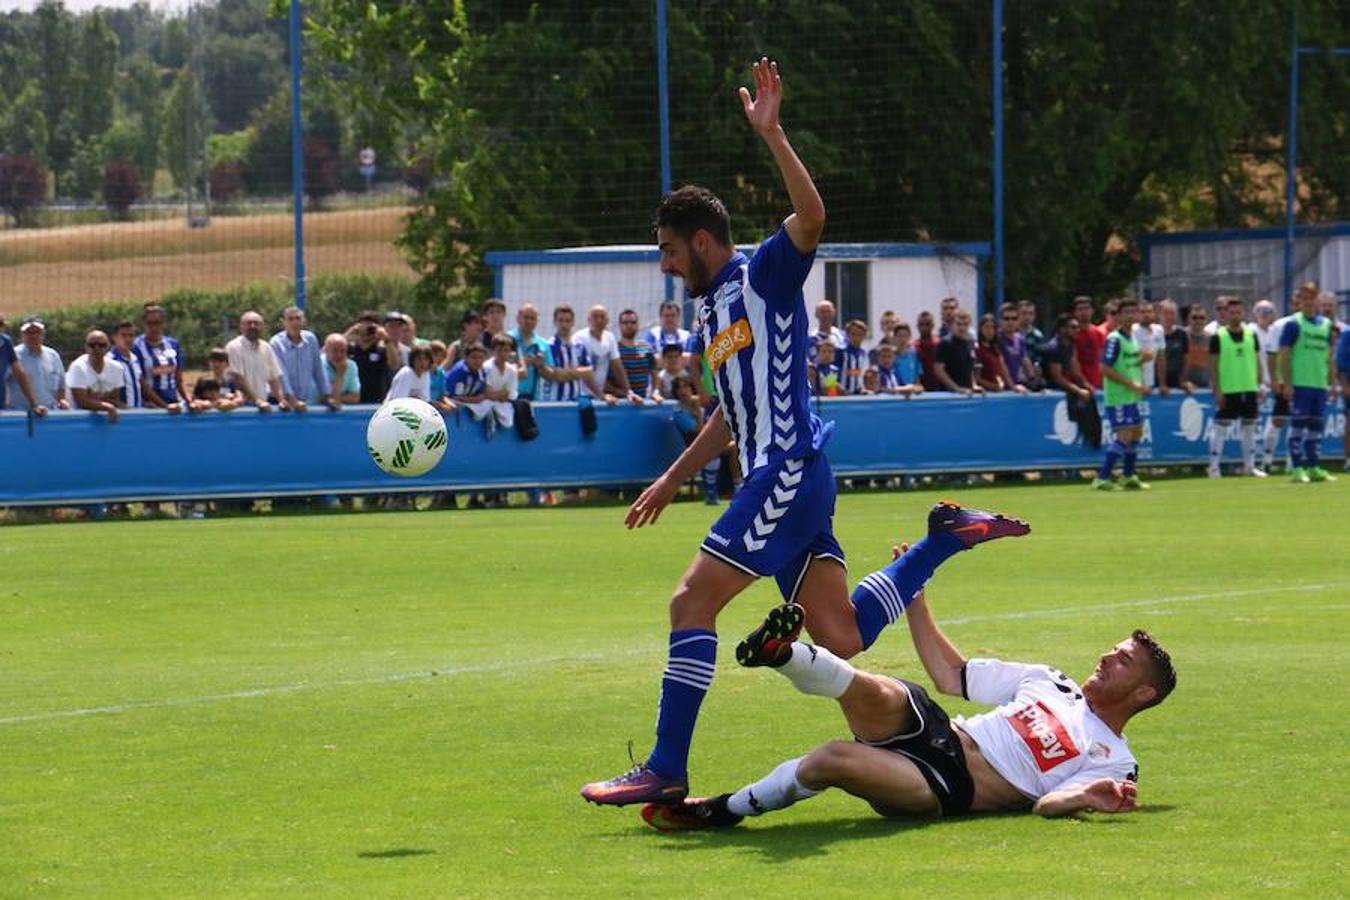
780, 520
1309, 403
1125, 415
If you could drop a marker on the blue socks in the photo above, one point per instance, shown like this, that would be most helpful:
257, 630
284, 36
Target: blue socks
1312, 436
1296, 445
689, 674
1114, 451
881, 598
1131, 457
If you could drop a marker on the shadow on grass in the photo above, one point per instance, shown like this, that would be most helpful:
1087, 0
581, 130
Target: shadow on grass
396, 853
788, 840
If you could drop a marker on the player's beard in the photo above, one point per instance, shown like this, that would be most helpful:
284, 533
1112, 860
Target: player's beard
699, 279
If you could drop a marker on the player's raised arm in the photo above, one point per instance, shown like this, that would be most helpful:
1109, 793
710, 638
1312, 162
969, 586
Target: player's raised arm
808, 217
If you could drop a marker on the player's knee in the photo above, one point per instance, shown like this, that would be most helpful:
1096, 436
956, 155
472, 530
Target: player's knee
692, 605
830, 764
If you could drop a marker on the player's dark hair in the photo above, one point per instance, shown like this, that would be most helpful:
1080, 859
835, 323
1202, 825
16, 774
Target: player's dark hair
1161, 676
691, 208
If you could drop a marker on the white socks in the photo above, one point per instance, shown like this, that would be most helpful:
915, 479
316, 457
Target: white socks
1249, 445
1218, 435
815, 670
778, 790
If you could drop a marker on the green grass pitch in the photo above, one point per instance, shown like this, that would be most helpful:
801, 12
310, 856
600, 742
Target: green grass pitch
405, 705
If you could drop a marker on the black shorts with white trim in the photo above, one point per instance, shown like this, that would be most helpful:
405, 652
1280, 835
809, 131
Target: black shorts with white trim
935, 748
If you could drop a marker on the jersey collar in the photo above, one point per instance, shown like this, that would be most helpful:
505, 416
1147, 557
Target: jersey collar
733, 265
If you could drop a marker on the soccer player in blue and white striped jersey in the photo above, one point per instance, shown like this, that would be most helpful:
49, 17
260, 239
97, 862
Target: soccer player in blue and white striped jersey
752, 333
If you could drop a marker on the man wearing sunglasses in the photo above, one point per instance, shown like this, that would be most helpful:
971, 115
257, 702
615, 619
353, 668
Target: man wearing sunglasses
95, 381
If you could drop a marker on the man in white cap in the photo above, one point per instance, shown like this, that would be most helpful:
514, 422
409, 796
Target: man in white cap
42, 365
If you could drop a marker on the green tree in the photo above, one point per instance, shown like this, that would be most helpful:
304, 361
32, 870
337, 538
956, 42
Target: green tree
23, 126
187, 122
84, 176
54, 39
95, 82
142, 102
267, 161
243, 73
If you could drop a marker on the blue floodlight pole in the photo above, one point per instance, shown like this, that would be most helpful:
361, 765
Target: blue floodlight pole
998, 155
297, 157
1290, 164
663, 93
1291, 156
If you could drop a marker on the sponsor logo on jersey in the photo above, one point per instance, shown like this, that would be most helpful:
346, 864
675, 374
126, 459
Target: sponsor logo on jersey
1045, 736
729, 340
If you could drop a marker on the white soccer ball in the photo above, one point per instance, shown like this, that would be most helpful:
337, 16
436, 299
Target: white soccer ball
406, 437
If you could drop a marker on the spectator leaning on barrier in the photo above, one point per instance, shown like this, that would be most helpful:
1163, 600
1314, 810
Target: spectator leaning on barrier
438, 352
1035, 338
376, 354
826, 330
689, 418
956, 367
12, 371
161, 359
1148, 334
340, 373
638, 359
94, 380
298, 353
926, 347
46, 374
1196, 370
672, 367
1175, 346
991, 373
502, 379
1012, 347
123, 336
908, 369
823, 375
1061, 359
853, 358
532, 352
569, 363
254, 366
603, 350
228, 396
892, 377
1089, 342
414, 379
466, 384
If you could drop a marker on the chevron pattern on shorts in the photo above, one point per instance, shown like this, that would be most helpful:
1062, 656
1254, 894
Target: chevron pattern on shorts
775, 505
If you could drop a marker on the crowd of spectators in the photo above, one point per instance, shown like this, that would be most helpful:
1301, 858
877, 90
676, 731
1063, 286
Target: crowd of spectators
488, 367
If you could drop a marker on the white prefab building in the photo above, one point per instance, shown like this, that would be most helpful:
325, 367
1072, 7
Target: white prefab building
863, 280
1197, 266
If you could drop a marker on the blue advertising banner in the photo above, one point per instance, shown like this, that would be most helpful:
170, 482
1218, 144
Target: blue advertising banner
75, 457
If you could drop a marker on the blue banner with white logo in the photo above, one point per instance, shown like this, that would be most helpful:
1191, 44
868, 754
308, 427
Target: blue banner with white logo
74, 457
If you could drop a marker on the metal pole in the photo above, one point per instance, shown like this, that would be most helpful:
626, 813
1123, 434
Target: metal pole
297, 157
1290, 164
998, 157
663, 97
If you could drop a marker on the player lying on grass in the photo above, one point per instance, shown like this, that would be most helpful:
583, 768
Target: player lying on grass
1050, 744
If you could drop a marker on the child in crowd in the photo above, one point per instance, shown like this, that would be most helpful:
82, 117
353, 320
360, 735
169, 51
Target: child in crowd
689, 419
502, 378
890, 377
672, 367
227, 396
907, 367
823, 375
414, 379
853, 358
439, 352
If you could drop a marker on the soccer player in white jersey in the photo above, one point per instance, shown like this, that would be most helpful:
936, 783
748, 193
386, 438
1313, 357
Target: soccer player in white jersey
1268, 331
752, 333
1050, 744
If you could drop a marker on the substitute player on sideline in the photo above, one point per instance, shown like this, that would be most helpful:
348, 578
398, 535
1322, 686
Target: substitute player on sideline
1306, 375
1123, 387
1051, 745
752, 334
1235, 373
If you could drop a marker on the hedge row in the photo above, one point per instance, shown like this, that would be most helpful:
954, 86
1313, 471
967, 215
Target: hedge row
201, 319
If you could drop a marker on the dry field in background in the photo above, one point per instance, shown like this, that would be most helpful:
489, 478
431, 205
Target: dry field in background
43, 269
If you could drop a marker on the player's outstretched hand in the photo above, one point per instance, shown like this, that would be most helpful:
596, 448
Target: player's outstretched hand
646, 509
761, 110
1108, 796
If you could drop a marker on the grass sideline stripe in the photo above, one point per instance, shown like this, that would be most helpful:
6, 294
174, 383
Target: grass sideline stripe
504, 666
